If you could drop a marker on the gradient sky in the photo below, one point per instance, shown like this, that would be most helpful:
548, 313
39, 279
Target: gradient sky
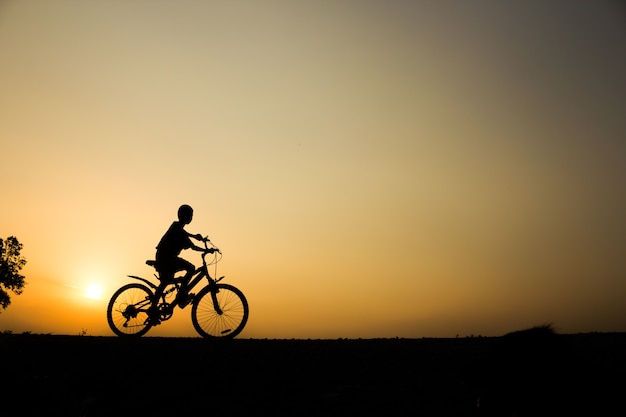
368, 168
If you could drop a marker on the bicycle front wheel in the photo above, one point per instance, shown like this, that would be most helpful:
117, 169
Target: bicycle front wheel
219, 314
127, 312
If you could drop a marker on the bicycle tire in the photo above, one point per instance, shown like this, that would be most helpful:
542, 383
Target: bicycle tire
125, 322
227, 325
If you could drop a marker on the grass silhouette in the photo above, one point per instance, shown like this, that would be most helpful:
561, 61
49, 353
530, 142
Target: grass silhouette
103, 376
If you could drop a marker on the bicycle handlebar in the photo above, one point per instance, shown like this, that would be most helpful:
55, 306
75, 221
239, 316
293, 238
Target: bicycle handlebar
206, 241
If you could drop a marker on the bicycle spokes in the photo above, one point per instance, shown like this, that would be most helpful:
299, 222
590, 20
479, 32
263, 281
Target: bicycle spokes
219, 311
127, 313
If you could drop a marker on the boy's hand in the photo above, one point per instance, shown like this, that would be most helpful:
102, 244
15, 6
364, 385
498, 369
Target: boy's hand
198, 236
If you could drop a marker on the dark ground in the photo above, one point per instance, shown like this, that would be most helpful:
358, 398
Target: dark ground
48, 375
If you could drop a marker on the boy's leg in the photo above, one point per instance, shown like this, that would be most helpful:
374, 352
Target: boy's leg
166, 274
154, 308
189, 268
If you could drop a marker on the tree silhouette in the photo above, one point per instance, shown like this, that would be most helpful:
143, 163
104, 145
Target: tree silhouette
10, 264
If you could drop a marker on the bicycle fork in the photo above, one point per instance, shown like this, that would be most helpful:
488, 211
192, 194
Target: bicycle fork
216, 305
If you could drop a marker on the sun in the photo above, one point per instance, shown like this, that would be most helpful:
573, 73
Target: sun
93, 291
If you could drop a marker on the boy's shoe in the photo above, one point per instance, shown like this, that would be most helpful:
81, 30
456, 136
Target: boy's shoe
154, 318
185, 300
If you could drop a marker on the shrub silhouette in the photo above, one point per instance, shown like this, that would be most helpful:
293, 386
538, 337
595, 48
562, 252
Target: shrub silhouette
525, 374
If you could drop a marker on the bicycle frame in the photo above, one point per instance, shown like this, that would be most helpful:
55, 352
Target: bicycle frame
201, 272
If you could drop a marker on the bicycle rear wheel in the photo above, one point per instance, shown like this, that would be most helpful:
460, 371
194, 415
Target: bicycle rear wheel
226, 323
127, 312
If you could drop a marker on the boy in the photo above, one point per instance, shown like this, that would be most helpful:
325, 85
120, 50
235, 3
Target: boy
172, 243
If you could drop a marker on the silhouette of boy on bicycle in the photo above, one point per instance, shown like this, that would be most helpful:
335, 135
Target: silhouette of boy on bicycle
168, 261
218, 310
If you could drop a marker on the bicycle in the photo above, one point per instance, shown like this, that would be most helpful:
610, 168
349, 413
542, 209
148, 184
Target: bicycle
217, 311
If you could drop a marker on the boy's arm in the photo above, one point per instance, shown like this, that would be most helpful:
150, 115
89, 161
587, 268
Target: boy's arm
199, 248
197, 236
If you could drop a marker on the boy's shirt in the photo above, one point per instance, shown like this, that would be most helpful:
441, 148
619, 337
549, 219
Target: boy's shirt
174, 241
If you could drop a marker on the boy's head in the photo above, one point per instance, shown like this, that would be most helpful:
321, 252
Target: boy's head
185, 214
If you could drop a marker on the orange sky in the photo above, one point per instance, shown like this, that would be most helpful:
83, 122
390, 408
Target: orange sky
369, 169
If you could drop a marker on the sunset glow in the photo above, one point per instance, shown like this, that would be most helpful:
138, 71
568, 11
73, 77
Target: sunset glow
94, 291
368, 168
